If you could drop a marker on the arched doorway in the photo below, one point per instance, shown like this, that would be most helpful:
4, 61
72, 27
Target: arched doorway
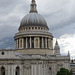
2, 71
17, 72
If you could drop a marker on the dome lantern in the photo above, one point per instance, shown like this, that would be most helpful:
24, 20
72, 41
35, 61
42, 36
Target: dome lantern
33, 7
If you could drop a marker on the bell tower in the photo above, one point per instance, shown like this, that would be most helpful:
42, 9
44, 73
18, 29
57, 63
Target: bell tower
56, 48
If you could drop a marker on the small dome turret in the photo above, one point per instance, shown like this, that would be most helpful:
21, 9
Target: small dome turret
56, 48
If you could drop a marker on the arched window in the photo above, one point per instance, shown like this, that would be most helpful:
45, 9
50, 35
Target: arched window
17, 72
2, 71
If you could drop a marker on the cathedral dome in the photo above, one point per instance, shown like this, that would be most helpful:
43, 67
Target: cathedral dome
33, 18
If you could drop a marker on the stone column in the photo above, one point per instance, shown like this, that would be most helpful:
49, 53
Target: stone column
39, 69
46, 42
9, 70
17, 43
13, 70
27, 71
20, 43
24, 70
42, 43
6, 72
31, 69
49, 43
43, 68
34, 69
52, 43
26, 42
39, 42
30, 42
21, 70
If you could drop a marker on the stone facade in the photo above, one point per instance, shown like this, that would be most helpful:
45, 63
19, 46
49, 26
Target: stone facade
72, 65
31, 64
33, 53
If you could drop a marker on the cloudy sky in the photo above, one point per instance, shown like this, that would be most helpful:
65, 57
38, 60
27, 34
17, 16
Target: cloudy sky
59, 14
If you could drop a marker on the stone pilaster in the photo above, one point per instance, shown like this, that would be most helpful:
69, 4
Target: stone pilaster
49, 43
30, 42
9, 70
42, 43
31, 69
46, 42
52, 44
34, 69
26, 43
39, 70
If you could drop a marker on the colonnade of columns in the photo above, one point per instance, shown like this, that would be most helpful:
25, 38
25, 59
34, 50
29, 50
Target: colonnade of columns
34, 69
34, 42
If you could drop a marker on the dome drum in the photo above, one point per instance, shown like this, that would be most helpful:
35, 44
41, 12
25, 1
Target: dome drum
34, 42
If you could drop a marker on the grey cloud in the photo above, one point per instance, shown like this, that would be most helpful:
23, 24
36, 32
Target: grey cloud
7, 31
63, 30
58, 14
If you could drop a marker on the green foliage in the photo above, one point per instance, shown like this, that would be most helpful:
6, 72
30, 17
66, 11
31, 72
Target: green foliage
64, 71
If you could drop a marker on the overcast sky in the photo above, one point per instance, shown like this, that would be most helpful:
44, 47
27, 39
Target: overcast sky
59, 14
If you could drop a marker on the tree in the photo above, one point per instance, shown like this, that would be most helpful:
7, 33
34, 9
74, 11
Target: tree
64, 71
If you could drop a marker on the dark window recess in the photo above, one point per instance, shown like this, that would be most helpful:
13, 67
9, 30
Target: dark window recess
29, 27
40, 42
44, 43
32, 42
32, 27
25, 42
28, 42
2, 53
35, 27
17, 72
49, 68
2, 71
38, 27
18, 43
